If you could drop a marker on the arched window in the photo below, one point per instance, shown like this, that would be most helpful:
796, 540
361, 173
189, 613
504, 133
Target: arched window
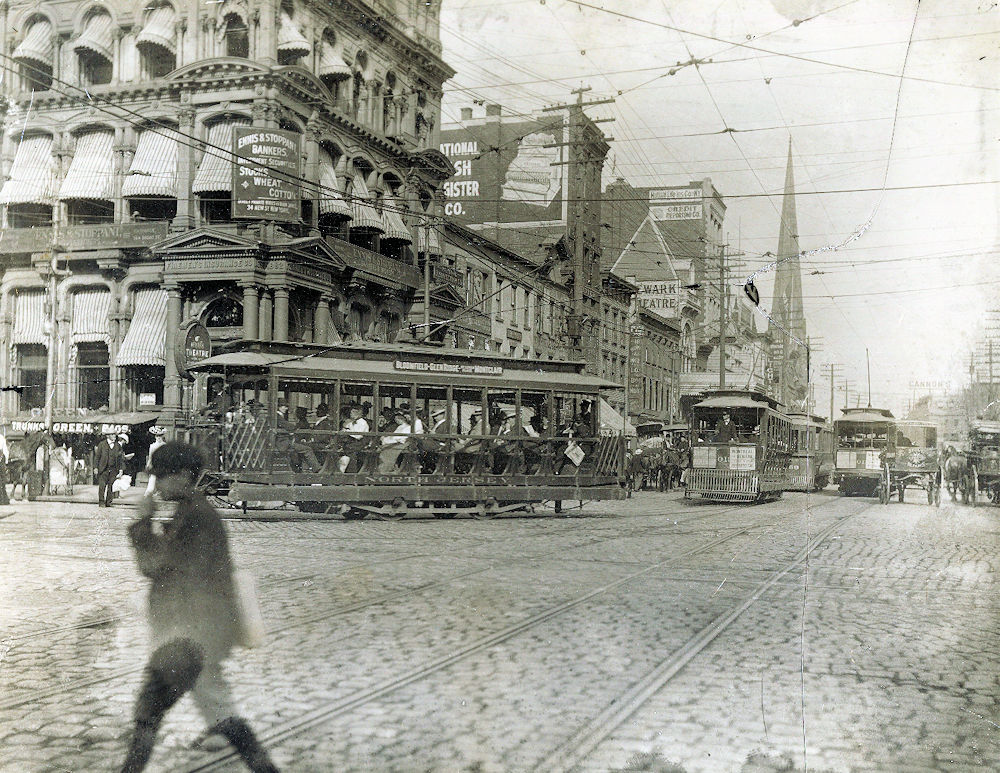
236, 36
223, 312
95, 49
156, 43
35, 55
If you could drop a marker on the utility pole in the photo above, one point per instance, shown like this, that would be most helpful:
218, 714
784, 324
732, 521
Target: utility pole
723, 313
833, 369
587, 147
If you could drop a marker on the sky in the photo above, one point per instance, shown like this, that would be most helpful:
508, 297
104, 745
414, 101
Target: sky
893, 112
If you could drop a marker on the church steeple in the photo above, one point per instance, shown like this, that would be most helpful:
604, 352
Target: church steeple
790, 339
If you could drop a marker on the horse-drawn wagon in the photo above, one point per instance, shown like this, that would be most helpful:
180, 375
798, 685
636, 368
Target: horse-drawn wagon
916, 462
983, 468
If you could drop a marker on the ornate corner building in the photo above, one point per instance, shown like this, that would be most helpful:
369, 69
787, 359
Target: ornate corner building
117, 196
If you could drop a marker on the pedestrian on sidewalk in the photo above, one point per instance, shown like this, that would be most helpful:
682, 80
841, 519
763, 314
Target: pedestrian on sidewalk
193, 615
4, 454
108, 461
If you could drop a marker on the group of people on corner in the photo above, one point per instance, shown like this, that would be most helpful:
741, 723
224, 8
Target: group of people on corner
112, 458
397, 425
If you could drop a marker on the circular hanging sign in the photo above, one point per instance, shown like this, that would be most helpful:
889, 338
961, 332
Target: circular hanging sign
192, 344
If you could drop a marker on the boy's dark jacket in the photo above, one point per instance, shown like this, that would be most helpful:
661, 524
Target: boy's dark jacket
192, 594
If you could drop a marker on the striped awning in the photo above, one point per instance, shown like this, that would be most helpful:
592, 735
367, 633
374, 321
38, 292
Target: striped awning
215, 173
29, 316
145, 340
89, 319
159, 30
91, 173
154, 166
331, 201
392, 217
428, 240
363, 208
36, 48
331, 65
97, 37
33, 173
290, 40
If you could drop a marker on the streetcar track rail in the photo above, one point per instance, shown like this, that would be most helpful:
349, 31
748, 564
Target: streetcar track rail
275, 735
343, 609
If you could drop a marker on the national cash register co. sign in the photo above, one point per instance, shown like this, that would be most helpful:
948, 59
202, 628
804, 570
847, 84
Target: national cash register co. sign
265, 174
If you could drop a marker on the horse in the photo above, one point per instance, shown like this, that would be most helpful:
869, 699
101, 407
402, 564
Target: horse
21, 460
956, 469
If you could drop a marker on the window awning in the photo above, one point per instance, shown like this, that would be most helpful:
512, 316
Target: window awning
36, 48
144, 341
362, 207
32, 175
395, 227
97, 37
290, 40
91, 172
331, 65
331, 201
29, 315
89, 320
154, 166
215, 173
428, 240
159, 30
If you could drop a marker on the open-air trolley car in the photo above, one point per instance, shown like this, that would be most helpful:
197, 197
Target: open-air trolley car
745, 463
388, 430
812, 463
866, 438
983, 468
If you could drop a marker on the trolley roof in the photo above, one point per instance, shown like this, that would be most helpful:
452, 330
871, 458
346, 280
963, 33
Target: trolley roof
867, 416
735, 398
990, 427
405, 367
807, 419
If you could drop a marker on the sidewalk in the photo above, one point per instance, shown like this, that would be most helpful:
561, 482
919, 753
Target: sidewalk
87, 494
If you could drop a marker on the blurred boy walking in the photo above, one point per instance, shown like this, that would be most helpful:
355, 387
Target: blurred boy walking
192, 611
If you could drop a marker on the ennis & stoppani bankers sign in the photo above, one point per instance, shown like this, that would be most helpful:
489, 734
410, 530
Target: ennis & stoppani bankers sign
265, 174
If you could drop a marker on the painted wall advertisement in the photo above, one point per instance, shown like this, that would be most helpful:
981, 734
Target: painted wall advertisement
505, 172
660, 297
265, 172
675, 204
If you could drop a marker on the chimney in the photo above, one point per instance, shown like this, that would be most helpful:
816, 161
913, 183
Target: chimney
466, 113
493, 111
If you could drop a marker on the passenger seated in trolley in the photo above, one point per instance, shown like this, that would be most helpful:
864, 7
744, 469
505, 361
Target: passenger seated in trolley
393, 445
302, 455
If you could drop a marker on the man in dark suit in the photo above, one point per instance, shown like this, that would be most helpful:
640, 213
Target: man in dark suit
108, 461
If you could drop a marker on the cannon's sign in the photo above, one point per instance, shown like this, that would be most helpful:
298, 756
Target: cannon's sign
264, 174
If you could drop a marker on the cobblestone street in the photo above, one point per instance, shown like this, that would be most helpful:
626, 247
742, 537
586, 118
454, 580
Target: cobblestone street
816, 632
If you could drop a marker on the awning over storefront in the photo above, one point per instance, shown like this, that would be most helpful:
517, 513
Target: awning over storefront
428, 240
290, 40
159, 30
331, 202
29, 316
331, 65
613, 421
91, 172
394, 227
144, 341
154, 166
36, 48
362, 207
32, 175
215, 172
89, 322
97, 37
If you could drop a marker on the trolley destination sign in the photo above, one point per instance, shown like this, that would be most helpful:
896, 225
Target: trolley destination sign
264, 174
450, 367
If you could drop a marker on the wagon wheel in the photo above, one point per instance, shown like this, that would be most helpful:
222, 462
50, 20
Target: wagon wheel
937, 496
901, 485
974, 491
930, 493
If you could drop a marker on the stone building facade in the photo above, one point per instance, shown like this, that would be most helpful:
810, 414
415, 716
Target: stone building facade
117, 155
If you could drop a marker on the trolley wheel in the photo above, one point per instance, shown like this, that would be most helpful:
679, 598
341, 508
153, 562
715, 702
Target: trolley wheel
396, 511
354, 514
